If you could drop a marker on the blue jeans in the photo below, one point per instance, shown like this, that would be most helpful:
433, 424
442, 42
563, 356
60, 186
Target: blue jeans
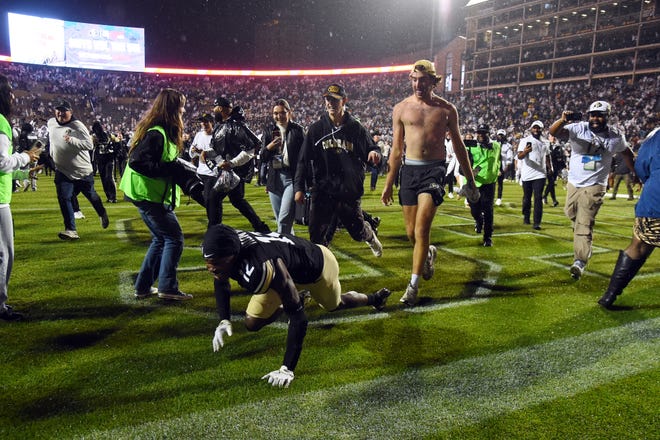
67, 189
284, 205
165, 251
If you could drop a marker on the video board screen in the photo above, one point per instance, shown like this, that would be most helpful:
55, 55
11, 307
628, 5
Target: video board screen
38, 40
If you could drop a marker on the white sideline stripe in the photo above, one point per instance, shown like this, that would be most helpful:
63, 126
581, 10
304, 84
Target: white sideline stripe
374, 316
422, 402
596, 250
494, 270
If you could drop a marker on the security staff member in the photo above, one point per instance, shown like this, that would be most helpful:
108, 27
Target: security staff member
485, 159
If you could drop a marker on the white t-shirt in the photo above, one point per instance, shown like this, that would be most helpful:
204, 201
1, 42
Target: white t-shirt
202, 141
506, 154
532, 166
591, 154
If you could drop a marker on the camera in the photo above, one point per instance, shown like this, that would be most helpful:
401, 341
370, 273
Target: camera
185, 176
574, 116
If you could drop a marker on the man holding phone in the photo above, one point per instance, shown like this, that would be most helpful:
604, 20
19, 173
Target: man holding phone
593, 144
534, 159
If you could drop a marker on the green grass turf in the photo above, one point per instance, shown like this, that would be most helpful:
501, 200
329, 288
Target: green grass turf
504, 344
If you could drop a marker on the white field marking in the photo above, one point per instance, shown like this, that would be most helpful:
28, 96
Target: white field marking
374, 316
126, 294
420, 403
494, 270
548, 259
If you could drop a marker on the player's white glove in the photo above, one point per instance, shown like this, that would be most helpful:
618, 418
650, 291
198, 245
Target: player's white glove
280, 378
223, 327
470, 192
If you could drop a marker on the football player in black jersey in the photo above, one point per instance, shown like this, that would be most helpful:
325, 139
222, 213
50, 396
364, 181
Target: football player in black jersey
275, 268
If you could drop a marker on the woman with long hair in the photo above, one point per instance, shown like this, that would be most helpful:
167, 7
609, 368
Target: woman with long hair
281, 147
148, 182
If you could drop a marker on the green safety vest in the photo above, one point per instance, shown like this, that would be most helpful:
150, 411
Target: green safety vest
6, 177
488, 159
139, 187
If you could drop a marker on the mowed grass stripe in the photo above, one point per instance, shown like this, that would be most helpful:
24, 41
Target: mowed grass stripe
418, 403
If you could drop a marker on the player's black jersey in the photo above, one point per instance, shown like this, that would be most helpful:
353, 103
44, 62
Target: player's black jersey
255, 266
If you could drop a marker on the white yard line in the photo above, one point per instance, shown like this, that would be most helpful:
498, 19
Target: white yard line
418, 403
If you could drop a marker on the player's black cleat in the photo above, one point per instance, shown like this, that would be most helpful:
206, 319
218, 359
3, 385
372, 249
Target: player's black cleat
380, 298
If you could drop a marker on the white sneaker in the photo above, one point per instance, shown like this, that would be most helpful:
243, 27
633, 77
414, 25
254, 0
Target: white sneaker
375, 246
498, 202
450, 195
577, 269
175, 296
78, 215
68, 234
143, 295
410, 297
429, 268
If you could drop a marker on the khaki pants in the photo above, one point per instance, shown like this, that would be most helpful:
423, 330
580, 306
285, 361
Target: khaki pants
582, 205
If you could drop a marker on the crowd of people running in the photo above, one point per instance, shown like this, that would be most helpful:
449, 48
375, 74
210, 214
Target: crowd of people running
318, 155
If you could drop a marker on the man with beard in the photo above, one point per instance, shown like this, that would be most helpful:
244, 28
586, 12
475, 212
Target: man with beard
593, 144
70, 147
534, 162
234, 146
485, 160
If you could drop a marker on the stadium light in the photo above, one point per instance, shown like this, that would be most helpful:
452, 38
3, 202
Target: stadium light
290, 72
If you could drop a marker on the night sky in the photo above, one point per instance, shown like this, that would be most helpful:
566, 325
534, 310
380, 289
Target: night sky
220, 34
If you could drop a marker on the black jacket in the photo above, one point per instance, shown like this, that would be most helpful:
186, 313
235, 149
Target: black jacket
294, 137
335, 158
233, 136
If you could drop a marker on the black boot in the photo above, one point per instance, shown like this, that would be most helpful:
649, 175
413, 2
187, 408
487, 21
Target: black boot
625, 270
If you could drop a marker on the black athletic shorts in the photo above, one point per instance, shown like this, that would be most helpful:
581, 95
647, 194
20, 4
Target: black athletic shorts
418, 179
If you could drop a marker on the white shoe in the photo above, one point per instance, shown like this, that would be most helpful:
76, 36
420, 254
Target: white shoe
68, 234
410, 297
78, 215
498, 202
429, 268
375, 246
450, 195
577, 269
175, 296
143, 295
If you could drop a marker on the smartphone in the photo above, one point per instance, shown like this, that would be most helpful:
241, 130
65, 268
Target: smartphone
276, 132
575, 116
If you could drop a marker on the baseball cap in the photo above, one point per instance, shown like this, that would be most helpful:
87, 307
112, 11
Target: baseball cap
501, 131
221, 101
63, 105
483, 128
205, 117
424, 66
220, 241
536, 124
335, 90
600, 106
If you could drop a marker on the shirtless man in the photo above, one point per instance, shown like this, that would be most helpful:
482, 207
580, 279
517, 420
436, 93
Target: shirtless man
421, 120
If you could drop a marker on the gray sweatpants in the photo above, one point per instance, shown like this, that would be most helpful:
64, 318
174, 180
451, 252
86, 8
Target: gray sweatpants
6, 251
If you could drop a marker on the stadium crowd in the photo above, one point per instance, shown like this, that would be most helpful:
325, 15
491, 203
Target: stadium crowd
118, 99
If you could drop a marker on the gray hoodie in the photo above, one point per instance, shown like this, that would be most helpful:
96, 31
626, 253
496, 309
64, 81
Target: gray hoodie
71, 158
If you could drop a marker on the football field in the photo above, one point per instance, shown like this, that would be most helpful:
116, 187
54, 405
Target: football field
502, 344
